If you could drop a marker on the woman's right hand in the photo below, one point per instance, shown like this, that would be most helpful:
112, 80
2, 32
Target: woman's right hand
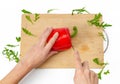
83, 75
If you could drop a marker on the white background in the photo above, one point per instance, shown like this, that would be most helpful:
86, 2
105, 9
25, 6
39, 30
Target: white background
10, 25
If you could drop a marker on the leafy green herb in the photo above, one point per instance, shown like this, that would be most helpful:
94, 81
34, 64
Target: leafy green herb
27, 32
10, 45
25, 11
28, 18
97, 61
75, 31
100, 73
50, 10
96, 21
101, 34
18, 39
37, 16
80, 11
107, 72
10, 54
104, 25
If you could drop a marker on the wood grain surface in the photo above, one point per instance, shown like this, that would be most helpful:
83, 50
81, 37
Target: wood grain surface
87, 41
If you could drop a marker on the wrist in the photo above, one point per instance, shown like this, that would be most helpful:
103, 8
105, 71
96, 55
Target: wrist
26, 65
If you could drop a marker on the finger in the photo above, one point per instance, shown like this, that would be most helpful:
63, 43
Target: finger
86, 70
52, 53
96, 79
44, 36
85, 65
92, 77
78, 60
51, 42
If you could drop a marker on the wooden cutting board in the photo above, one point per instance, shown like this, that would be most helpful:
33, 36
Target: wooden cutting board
87, 42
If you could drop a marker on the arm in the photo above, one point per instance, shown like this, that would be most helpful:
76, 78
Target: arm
83, 75
19, 71
39, 53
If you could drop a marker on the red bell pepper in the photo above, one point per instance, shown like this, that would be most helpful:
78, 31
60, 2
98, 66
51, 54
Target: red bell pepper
63, 41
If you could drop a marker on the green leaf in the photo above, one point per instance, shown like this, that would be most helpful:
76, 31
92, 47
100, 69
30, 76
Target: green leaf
18, 39
25, 11
10, 45
107, 72
80, 11
101, 71
75, 31
101, 34
29, 18
27, 32
50, 10
11, 55
37, 16
96, 21
97, 61
106, 25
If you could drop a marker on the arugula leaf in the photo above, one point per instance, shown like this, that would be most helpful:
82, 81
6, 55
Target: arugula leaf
101, 34
97, 61
37, 16
27, 32
75, 32
18, 39
25, 11
100, 73
107, 72
28, 18
96, 21
10, 45
80, 11
104, 25
50, 10
10, 54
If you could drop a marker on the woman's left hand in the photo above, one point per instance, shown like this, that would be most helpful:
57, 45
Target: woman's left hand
41, 51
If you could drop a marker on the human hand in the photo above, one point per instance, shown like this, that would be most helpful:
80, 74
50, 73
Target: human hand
41, 51
83, 75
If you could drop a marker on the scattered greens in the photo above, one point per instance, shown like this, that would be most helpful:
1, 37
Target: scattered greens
101, 34
75, 31
27, 32
18, 39
100, 73
79, 11
25, 11
107, 72
36, 17
96, 21
28, 18
10, 45
96, 60
10, 54
50, 10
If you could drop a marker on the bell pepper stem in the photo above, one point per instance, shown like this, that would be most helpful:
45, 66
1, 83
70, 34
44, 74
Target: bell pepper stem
75, 31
